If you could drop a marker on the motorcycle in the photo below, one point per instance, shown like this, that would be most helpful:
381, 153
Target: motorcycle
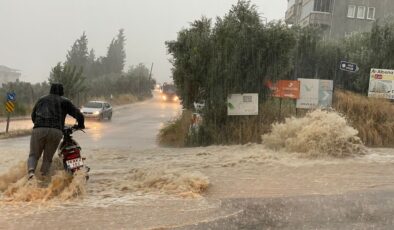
70, 152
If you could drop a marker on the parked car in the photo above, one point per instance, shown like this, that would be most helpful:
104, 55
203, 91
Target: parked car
97, 110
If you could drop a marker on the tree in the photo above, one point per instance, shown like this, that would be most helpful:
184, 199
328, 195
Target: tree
192, 53
78, 55
92, 67
116, 55
235, 56
72, 79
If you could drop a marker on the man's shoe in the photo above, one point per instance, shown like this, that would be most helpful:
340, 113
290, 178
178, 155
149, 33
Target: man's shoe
30, 175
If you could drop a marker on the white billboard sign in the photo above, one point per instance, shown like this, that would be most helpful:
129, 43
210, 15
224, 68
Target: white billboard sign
381, 84
315, 93
243, 104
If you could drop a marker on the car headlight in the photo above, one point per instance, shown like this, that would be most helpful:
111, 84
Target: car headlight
176, 98
164, 97
96, 112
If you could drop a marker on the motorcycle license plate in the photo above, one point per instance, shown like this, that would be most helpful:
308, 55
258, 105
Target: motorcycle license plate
74, 163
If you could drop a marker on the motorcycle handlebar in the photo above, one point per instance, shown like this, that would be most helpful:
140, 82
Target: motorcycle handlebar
73, 128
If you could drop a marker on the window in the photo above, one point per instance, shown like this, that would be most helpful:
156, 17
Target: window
371, 13
351, 11
322, 5
361, 12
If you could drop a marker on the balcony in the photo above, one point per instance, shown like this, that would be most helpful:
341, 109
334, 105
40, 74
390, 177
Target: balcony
317, 18
290, 15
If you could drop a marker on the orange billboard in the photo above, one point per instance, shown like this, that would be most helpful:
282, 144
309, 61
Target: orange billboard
285, 89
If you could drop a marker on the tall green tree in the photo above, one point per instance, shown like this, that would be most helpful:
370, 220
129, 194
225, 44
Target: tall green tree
381, 45
116, 55
71, 77
78, 54
235, 56
192, 53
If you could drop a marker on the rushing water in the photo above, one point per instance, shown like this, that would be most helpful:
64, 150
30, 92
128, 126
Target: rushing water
163, 187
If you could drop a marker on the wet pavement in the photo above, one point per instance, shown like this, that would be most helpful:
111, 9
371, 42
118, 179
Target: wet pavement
134, 184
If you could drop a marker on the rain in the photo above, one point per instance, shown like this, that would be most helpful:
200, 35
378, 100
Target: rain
231, 114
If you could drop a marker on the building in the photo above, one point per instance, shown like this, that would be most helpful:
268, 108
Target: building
338, 18
8, 75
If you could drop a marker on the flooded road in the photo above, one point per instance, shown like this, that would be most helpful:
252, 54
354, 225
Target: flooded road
136, 185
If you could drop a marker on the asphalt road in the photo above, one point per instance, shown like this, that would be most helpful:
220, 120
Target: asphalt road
135, 184
133, 126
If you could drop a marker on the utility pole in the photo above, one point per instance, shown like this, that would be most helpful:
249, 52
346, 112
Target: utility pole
150, 74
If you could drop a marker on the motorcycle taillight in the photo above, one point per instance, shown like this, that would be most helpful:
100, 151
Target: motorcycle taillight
71, 153
72, 156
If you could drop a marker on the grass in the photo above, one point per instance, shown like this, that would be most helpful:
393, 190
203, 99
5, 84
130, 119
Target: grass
124, 99
15, 133
174, 133
372, 118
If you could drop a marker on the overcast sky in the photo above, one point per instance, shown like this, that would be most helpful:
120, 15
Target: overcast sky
35, 34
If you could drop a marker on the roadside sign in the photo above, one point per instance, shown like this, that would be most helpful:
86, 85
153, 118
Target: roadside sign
349, 67
289, 89
326, 88
381, 84
11, 96
315, 93
243, 104
285, 89
9, 106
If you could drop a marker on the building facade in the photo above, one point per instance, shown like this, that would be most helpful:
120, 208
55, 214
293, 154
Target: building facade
8, 75
339, 18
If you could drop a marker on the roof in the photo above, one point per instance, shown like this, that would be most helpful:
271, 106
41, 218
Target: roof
7, 69
98, 101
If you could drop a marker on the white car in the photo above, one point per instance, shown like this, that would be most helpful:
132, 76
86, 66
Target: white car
97, 109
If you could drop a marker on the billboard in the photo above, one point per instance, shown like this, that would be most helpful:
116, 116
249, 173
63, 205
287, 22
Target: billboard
285, 89
381, 84
243, 104
315, 93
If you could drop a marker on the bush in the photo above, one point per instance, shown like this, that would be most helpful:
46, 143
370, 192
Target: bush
372, 117
175, 132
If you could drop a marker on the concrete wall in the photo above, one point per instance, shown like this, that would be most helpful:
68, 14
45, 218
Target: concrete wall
342, 25
6, 77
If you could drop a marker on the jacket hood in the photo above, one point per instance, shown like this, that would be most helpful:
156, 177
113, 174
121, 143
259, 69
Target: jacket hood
57, 89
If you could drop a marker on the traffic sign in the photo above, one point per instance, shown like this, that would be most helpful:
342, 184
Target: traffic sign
9, 106
349, 67
11, 96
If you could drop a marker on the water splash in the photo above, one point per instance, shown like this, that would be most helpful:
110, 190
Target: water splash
60, 185
185, 184
318, 134
13, 175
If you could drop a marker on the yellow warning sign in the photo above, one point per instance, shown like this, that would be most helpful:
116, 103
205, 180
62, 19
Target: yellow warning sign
9, 106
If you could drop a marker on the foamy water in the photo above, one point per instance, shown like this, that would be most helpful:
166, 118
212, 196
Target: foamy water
319, 133
186, 185
59, 185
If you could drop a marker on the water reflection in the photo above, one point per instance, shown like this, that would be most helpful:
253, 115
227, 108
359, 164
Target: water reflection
95, 129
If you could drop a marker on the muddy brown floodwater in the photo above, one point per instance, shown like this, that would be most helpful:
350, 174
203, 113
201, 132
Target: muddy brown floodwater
176, 187
219, 187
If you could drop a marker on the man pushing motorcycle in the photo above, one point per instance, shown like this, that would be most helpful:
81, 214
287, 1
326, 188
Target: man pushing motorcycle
48, 116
